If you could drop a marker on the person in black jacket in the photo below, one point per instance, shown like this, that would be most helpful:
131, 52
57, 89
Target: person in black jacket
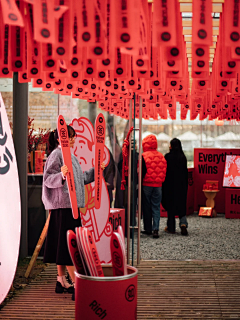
175, 186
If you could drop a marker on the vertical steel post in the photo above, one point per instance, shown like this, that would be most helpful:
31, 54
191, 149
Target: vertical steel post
133, 182
129, 184
20, 139
139, 181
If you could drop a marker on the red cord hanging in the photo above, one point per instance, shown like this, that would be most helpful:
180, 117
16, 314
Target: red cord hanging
125, 154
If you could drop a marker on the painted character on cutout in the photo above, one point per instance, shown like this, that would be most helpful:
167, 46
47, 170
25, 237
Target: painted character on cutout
96, 220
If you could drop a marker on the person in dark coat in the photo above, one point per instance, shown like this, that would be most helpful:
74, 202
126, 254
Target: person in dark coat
175, 187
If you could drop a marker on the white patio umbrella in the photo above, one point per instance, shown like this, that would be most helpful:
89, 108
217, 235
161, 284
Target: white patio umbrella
205, 137
163, 137
145, 134
188, 136
223, 144
228, 136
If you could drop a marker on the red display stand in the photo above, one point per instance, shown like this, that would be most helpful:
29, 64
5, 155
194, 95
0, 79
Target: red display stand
117, 218
232, 203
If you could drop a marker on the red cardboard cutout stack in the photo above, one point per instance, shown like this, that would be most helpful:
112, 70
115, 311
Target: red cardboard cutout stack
118, 253
85, 257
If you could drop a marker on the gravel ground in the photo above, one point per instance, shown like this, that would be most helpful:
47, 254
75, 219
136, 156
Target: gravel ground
208, 239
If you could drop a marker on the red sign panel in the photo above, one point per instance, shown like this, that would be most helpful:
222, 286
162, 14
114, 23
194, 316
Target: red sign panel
209, 165
232, 203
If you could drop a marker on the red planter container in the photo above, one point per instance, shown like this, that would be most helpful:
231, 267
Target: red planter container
106, 297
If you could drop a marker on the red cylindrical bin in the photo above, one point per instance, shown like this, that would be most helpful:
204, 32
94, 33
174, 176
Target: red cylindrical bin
106, 297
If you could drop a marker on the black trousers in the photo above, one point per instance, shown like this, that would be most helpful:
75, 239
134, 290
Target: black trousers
177, 211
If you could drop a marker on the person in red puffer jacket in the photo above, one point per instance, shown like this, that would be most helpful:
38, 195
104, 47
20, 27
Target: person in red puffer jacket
152, 185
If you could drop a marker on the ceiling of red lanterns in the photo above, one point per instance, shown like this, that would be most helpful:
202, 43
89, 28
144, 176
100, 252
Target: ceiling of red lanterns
164, 51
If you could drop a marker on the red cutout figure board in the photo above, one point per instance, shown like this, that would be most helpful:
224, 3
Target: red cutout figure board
99, 149
118, 255
64, 143
74, 253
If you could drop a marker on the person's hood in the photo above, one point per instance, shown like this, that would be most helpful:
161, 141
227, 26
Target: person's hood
149, 143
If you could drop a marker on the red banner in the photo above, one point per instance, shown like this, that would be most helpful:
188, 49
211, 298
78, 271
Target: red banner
11, 14
209, 165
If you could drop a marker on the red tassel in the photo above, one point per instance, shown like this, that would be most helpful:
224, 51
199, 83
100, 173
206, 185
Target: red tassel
125, 153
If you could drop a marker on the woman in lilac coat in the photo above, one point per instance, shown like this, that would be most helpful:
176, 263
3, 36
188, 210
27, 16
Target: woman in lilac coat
56, 198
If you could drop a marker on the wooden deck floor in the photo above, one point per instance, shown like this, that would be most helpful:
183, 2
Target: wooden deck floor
166, 290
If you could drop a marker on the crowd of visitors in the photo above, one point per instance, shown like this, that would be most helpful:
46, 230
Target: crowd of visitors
164, 181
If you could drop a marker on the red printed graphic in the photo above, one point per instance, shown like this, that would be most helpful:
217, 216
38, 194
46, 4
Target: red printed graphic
93, 253
96, 220
86, 251
18, 44
231, 177
64, 43
5, 55
81, 249
127, 17
118, 255
164, 23
74, 253
11, 14
202, 23
64, 143
113, 298
44, 21
209, 164
232, 203
205, 212
100, 129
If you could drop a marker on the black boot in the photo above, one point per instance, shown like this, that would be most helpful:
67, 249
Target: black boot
63, 285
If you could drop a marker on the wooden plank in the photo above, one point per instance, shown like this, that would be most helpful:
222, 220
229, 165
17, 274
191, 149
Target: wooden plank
187, 7
189, 45
211, 51
188, 38
188, 31
166, 290
38, 247
190, 1
188, 22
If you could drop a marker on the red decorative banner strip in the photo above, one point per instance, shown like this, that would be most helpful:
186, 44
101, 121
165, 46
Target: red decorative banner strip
11, 14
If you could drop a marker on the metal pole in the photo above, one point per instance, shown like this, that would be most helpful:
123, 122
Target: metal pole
58, 103
20, 139
133, 180
114, 140
129, 184
139, 181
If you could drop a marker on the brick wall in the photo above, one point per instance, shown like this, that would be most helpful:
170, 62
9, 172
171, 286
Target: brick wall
43, 107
